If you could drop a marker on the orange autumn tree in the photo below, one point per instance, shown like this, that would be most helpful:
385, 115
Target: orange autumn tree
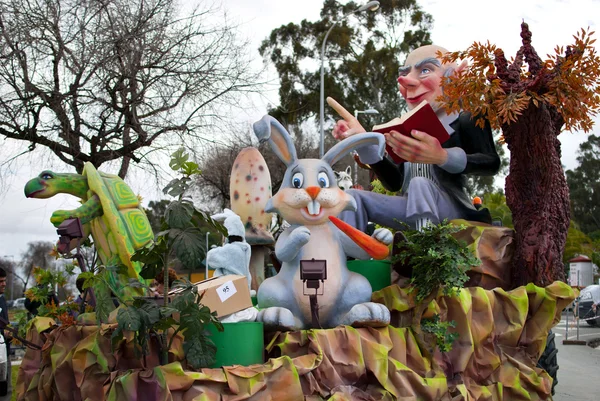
532, 101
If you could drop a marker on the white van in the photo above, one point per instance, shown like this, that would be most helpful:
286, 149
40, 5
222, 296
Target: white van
19, 303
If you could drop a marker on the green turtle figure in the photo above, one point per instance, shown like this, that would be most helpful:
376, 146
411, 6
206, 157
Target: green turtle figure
110, 211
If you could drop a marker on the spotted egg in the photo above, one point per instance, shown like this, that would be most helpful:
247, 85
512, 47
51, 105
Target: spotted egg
249, 190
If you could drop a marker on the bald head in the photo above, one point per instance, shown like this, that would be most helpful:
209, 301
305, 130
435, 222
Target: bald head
420, 77
426, 53
423, 52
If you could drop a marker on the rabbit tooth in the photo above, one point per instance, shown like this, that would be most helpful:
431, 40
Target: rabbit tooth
314, 208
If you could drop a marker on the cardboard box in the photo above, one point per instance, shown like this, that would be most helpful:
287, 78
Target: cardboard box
224, 294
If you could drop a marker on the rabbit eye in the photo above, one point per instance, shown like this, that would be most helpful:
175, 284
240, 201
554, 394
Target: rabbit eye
323, 180
297, 180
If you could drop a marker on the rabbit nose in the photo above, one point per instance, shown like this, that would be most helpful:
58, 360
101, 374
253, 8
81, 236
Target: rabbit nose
313, 191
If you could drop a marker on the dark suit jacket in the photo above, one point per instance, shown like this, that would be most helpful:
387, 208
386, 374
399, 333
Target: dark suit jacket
482, 159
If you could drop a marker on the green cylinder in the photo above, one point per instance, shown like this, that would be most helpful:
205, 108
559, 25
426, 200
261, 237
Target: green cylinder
238, 344
378, 272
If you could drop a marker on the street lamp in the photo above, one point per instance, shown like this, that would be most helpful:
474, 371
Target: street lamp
206, 257
371, 6
356, 113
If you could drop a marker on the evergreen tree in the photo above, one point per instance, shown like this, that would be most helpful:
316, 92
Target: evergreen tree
362, 56
584, 187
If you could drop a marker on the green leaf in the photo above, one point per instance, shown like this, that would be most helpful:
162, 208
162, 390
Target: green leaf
116, 338
152, 258
148, 272
148, 310
166, 311
179, 214
205, 217
70, 269
104, 302
183, 284
178, 158
117, 269
176, 187
190, 168
135, 283
129, 319
165, 324
150, 254
199, 351
188, 246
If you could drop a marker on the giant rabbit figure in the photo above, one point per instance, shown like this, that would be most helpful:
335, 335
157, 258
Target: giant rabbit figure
307, 197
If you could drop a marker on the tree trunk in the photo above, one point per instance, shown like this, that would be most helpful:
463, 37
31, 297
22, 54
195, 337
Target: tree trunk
538, 196
257, 265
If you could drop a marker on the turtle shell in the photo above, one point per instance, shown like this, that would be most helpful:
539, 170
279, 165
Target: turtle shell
123, 227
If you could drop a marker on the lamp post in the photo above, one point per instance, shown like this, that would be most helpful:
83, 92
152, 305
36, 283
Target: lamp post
356, 113
371, 6
206, 257
12, 279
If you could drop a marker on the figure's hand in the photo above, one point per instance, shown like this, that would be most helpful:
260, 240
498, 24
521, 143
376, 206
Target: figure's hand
232, 222
420, 148
346, 127
383, 235
300, 236
340, 130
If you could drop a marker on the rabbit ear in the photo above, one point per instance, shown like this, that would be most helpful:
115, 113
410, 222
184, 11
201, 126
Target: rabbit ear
269, 129
353, 142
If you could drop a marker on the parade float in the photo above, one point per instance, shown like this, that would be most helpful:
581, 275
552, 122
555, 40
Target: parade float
327, 335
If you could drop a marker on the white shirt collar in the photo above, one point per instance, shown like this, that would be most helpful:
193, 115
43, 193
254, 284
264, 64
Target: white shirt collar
447, 119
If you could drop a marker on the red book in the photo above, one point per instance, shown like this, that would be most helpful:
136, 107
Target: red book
421, 118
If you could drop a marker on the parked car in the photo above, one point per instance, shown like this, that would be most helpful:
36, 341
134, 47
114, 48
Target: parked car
19, 303
589, 305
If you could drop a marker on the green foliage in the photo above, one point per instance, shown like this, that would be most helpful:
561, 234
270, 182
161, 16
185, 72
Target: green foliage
439, 330
182, 226
478, 185
380, 189
437, 258
43, 293
181, 236
578, 243
23, 322
584, 186
155, 212
496, 203
146, 318
98, 280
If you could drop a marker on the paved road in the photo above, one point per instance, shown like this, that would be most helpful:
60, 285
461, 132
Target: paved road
579, 365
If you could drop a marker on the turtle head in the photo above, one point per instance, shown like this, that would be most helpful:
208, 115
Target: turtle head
47, 184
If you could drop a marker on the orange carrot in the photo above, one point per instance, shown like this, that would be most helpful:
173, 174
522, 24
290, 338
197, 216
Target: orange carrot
374, 248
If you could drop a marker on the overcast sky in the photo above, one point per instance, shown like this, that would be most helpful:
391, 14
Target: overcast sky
457, 24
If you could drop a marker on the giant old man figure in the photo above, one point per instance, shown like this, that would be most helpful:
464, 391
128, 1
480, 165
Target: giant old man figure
433, 182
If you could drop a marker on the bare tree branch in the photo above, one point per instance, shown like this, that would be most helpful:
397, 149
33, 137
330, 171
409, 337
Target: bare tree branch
97, 81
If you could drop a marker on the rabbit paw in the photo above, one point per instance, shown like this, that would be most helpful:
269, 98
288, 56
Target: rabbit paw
278, 318
368, 314
300, 236
383, 235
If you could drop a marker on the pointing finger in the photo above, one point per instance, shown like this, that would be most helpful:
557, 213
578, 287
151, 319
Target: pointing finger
345, 114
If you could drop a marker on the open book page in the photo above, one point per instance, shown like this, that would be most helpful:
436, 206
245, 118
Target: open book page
421, 118
399, 120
